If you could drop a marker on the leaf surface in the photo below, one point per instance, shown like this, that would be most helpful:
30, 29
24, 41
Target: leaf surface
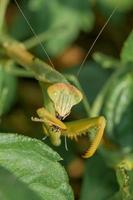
127, 50
13, 189
35, 164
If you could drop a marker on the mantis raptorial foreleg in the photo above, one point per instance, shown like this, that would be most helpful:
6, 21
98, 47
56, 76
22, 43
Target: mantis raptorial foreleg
82, 127
55, 128
98, 122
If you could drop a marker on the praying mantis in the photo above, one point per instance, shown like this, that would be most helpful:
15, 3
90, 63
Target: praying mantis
59, 98
64, 96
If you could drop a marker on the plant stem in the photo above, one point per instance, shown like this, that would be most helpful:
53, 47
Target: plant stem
16, 71
32, 42
42, 37
3, 6
98, 102
75, 81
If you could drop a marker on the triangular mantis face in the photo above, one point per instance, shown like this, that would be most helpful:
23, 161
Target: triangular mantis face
54, 128
64, 97
51, 125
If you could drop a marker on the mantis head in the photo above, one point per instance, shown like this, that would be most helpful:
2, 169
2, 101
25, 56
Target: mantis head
51, 125
64, 97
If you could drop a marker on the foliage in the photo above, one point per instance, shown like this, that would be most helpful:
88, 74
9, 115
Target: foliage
127, 51
8, 84
64, 18
122, 6
36, 165
29, 168
12, 189
95, 180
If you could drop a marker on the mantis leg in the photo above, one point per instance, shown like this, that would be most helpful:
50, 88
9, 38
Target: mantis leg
94, 145
75, 81
83, 126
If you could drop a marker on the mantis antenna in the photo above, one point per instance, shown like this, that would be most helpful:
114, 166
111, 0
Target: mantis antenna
49, 119
66, 147
90, 49
99, 34
34, 33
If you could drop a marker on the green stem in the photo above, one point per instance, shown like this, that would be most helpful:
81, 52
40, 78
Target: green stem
97, 105
10, 67
75, 81
19, 72
3, 7
85, 100
42, 37
32, 42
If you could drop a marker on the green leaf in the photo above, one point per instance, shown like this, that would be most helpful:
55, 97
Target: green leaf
74, 16
124, 172
70, 16
35, 5
127, 50
118, 108
91, 77
8, 85
12, 189
117, 196
119, 17
99, 181
115, 102
106, 61
121, 5
35, 164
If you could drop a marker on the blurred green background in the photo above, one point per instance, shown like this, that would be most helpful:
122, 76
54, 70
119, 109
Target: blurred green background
67, 28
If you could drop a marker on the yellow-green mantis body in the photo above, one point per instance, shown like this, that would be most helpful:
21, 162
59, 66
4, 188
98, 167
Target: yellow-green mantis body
58, 94
59, 98
64, 96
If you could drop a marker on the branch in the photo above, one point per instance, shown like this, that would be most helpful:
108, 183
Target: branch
42, 37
